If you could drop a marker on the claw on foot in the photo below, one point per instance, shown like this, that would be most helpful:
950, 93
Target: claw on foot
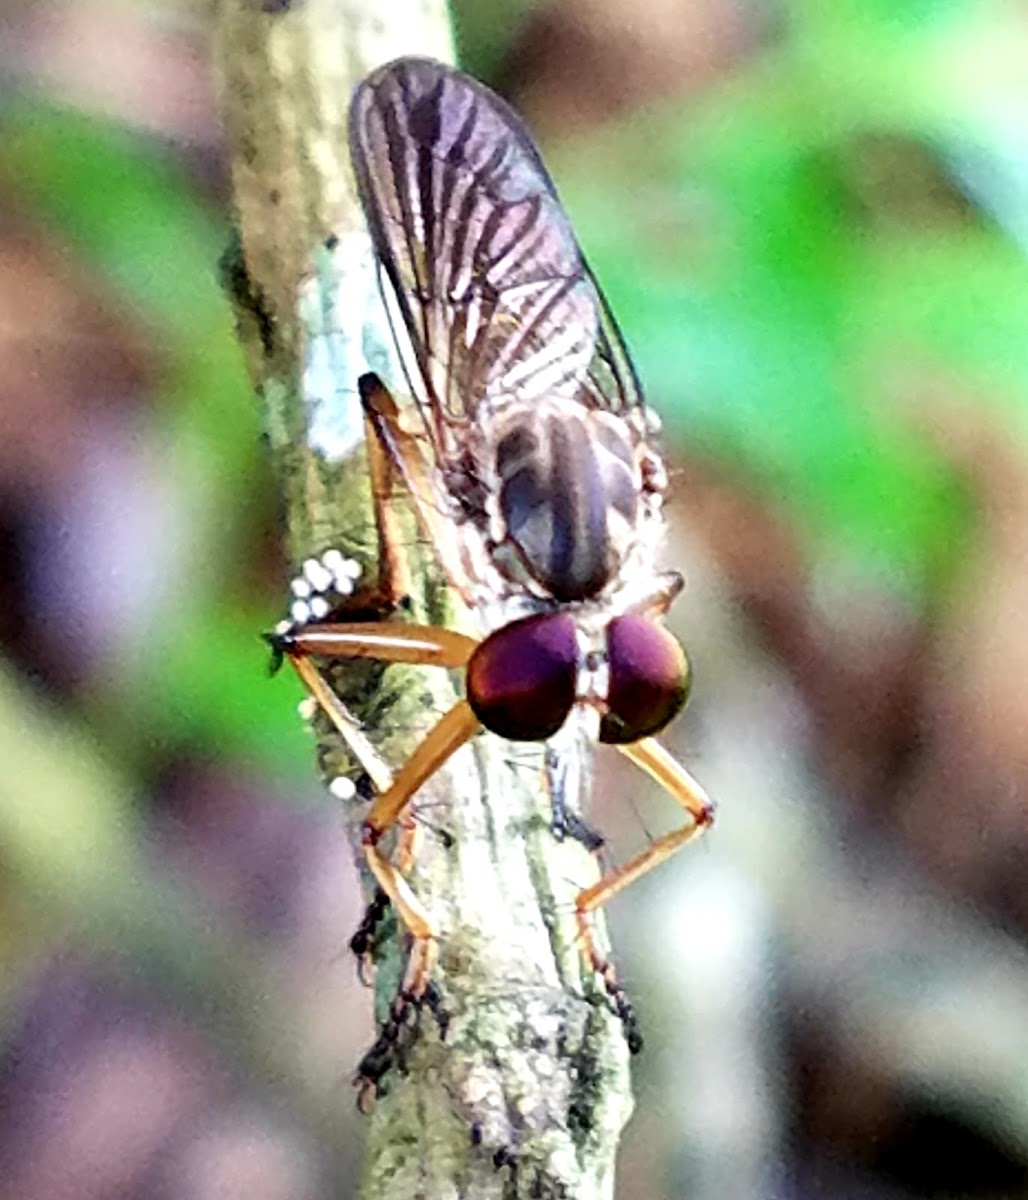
622, 1006
399, 1034
616, 995
365, 938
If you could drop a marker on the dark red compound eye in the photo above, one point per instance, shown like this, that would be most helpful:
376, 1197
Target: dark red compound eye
521, 679
649, 679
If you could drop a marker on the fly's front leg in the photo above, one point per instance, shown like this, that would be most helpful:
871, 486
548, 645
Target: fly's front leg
651, 756
417, 991
421, 645
450, 733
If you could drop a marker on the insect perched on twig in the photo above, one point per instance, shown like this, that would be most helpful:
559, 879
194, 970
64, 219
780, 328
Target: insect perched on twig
527, 454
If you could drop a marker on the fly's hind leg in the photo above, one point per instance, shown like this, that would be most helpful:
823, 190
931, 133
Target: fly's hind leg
329, 588
402, 450
676, 780
317, 631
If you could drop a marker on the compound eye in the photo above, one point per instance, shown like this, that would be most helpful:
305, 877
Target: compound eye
649, 679
521, 679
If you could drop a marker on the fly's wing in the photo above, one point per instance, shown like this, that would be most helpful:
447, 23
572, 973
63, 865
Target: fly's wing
487, 277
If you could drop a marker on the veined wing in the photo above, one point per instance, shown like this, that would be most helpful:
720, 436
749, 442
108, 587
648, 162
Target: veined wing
489, 281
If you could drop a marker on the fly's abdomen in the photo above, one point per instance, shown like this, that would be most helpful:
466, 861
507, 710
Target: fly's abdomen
568, 491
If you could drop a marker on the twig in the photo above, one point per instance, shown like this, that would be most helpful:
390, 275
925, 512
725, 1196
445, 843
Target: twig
528, 1093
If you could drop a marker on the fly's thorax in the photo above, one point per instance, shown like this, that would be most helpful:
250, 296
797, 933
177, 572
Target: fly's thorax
569, 493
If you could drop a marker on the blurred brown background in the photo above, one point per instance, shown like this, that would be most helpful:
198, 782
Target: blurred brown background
811, 221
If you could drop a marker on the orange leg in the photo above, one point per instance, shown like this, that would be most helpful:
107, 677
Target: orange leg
402, 450
391, 452
450, 733
382, 597
384, 641
393, 576
346, 725
420, 644
675, 779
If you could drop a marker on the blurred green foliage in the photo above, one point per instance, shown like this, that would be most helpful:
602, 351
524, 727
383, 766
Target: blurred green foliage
115, 202
483, 32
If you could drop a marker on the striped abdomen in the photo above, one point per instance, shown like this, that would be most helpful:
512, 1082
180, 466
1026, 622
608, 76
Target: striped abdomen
568, 494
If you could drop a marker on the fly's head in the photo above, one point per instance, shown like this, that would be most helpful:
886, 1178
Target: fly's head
524, 680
